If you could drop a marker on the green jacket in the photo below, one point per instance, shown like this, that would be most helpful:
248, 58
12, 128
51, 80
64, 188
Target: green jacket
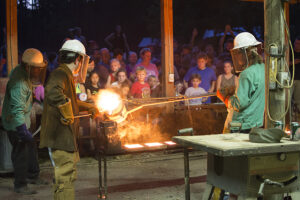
18, 100
249, 101
54, 134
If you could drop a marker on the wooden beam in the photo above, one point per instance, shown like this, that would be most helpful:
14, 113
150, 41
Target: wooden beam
275, 40
11, 34
167, 47
290, 2
167, 59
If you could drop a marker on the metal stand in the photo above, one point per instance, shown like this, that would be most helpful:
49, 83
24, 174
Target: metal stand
102, 193
187, 173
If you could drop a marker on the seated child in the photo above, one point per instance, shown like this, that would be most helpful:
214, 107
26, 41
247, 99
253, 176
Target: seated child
140, 89
114, 68
93, 86
121, 77
125, 88
195, 90
155, 86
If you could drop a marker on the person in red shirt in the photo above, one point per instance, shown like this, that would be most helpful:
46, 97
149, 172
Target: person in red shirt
140, 89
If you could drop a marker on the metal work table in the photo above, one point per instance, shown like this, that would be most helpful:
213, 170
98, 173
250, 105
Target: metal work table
240, 167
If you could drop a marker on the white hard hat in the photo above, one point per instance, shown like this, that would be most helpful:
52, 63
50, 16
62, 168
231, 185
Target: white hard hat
74, 46
244, 40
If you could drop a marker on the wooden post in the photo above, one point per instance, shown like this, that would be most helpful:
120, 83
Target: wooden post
167, 49
275, 37
11, 34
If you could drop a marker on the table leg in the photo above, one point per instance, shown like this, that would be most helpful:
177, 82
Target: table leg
102, 192
295, 195
208, 192
105, 176
100, 189
187, 174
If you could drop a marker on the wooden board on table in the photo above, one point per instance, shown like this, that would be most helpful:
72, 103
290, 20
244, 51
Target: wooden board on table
235, 145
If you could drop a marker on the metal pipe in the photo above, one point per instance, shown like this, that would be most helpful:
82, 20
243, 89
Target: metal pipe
169, 101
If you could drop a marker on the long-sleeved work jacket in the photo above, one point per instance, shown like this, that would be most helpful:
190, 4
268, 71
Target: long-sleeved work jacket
18, 100
249, 101
54, 134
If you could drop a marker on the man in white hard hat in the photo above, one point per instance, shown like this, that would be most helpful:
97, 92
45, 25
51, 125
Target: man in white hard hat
16, 118
59, 130
248, 101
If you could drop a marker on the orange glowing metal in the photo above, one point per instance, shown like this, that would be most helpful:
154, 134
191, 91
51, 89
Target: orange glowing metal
133, 146
153, 144
108, 101
288, 132
170, 143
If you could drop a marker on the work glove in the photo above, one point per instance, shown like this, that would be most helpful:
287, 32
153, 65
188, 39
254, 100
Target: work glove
24, 134
93, 111
67, 113
225, 93
223, 98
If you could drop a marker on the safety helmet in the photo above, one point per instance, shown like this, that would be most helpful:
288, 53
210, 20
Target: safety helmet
245, 40
242, 43
74, 46
35, 66
34, 58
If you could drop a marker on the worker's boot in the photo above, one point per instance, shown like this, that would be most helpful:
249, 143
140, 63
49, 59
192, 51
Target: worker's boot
37, 181
64, 191
24, 190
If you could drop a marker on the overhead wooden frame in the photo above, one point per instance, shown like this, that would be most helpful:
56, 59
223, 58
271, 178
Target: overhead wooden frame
290, 1
11, 34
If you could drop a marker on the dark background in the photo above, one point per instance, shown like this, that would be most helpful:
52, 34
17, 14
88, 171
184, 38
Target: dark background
46, 27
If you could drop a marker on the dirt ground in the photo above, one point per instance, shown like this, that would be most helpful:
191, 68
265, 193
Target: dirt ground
142, 176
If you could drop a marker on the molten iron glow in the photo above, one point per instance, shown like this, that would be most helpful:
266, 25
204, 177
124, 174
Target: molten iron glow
170, 143
154, 144
108, 101
288, 132
133, 146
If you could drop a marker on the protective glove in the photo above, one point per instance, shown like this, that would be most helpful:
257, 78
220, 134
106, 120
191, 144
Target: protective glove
67, 113
24, 134
223, 98
227, 91
93, 111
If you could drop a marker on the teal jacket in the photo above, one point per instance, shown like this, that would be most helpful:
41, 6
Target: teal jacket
249, 101
18, 100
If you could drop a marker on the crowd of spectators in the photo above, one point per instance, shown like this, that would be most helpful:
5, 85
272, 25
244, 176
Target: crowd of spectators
199, 67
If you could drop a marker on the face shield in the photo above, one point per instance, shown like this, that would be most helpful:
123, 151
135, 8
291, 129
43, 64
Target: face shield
239, 59
82, 69
37, 75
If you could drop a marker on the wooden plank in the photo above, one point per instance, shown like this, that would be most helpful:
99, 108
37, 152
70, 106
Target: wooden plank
261, 1
11, 34
235, 145
274, 35
167, 50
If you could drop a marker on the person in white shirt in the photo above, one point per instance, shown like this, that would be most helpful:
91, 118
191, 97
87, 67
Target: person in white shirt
121, 77
195, 90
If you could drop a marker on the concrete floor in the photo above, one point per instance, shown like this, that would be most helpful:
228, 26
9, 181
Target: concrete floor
144, 176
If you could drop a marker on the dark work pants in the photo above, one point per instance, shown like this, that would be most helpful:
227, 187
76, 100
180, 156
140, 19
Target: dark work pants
24, 159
